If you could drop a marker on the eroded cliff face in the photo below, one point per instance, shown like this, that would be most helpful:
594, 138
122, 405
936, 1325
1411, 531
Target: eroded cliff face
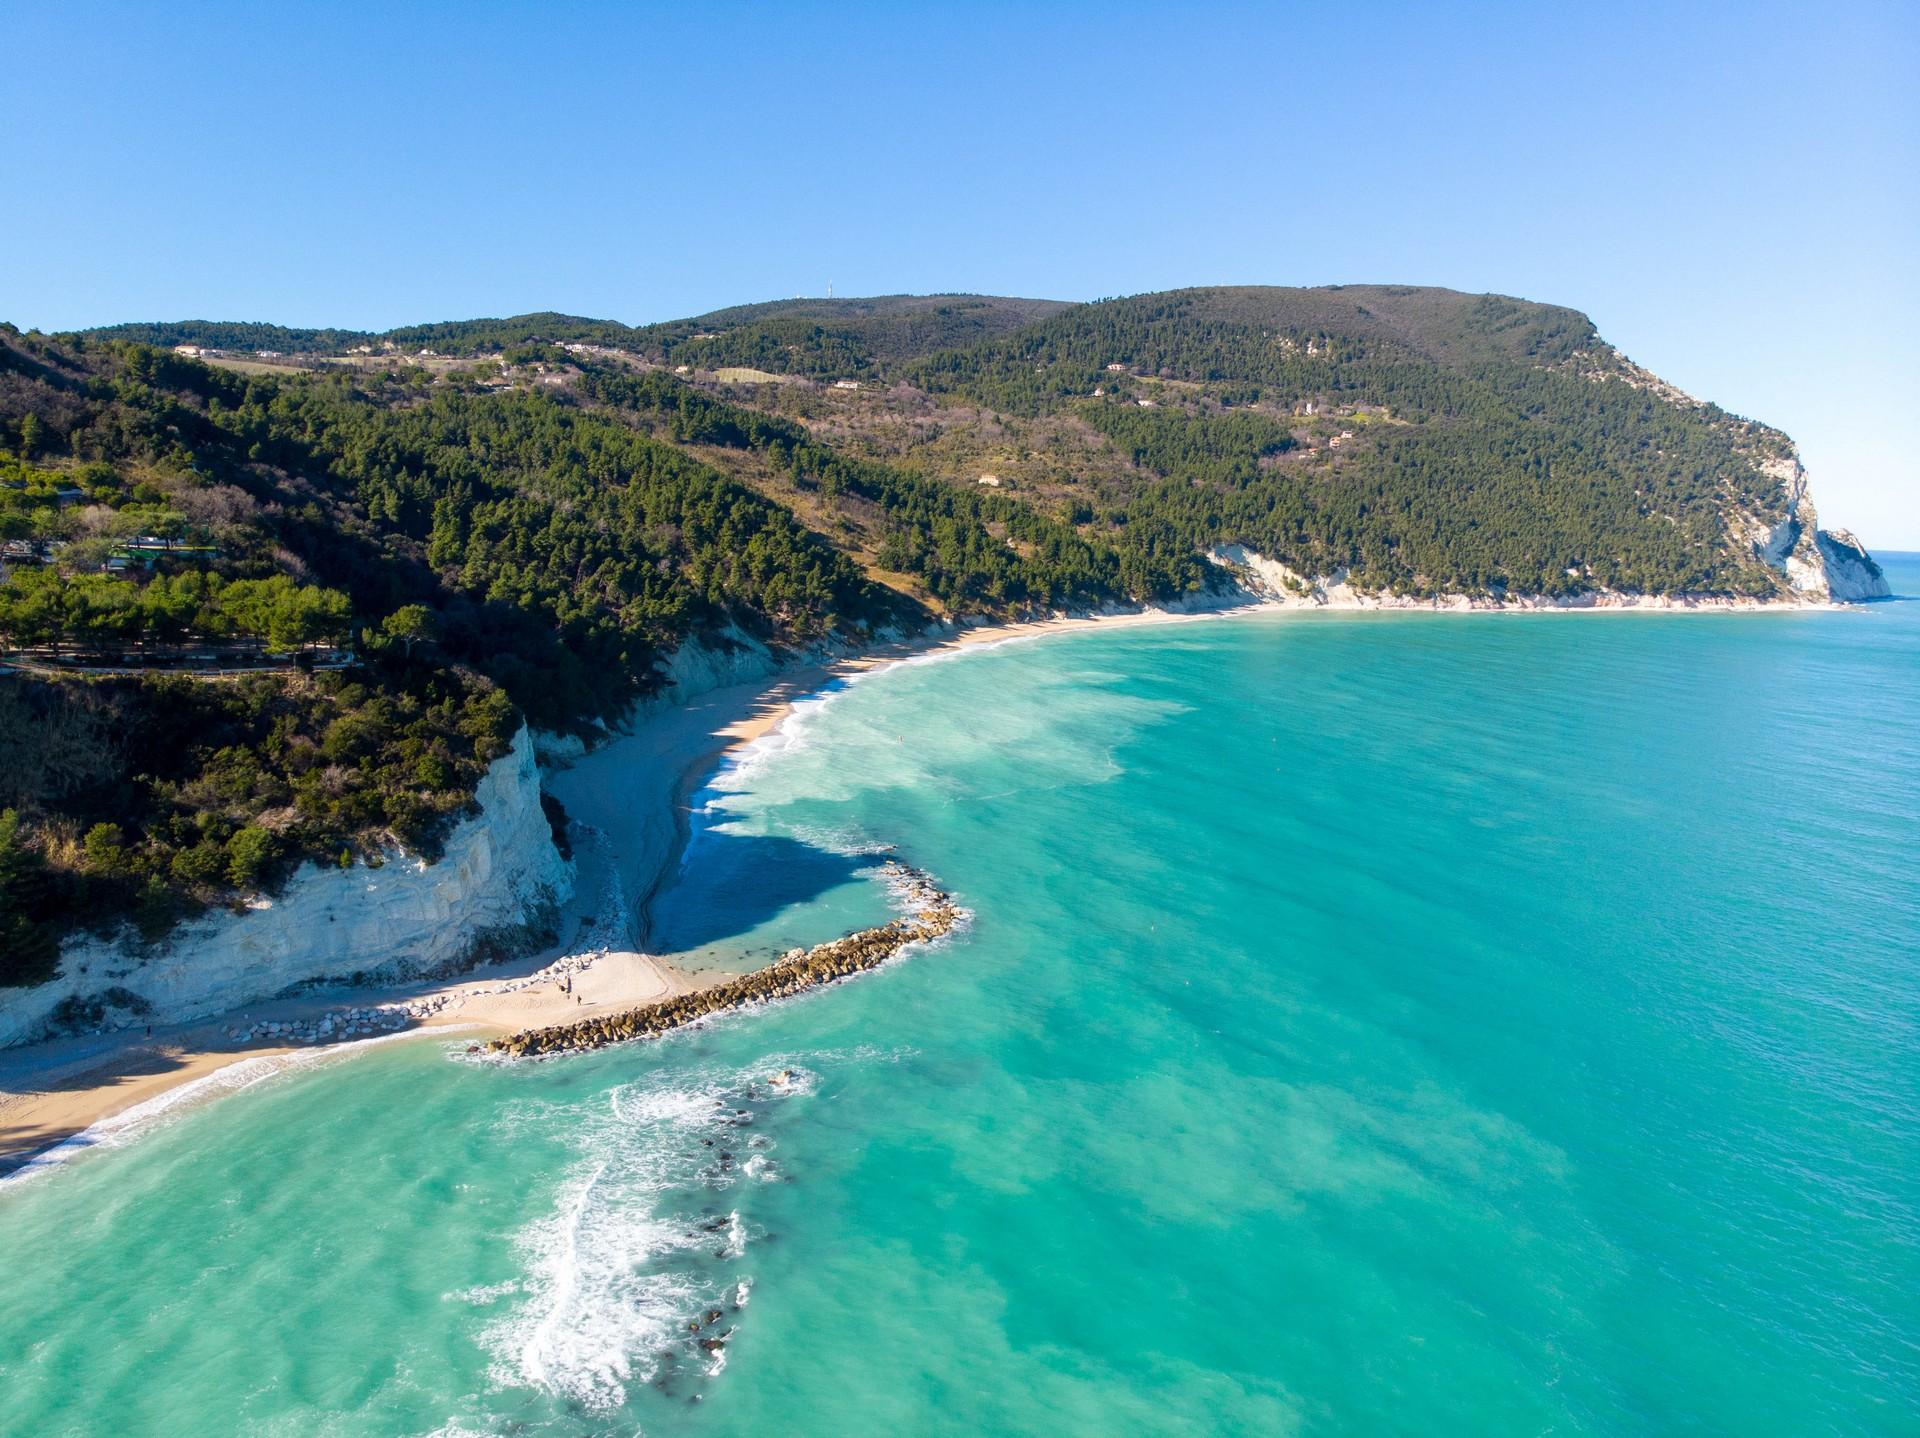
1784, 540
718, 659
494, 887
1851, 571
1784, 533
698, 666
1817, 563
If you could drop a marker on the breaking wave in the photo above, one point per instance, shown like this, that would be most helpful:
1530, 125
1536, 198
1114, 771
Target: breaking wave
635, 1276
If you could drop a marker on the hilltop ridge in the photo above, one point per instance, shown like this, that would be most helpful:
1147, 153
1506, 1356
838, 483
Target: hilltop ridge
395, 557
1467, 398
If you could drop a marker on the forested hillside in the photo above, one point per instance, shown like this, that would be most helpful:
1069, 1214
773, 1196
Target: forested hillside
256, 611
837, 339
1421, 441
388, 569
786, 336
453, 337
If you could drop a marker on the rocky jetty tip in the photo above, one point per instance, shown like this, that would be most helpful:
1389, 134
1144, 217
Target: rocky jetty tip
931, 913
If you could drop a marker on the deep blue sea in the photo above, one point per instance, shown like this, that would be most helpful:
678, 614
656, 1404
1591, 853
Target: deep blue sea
1367, 1024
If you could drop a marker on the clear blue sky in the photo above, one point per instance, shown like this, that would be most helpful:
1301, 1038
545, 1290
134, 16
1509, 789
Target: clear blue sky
1732, 192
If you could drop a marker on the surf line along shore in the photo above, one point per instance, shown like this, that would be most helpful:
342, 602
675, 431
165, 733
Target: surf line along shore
931, 914
636, 788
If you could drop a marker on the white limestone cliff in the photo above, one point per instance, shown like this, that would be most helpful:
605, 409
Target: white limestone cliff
1851, 571
1821, 564
498, 878
1818, 567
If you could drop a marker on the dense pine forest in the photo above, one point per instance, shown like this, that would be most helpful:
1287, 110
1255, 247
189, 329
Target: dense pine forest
273, 595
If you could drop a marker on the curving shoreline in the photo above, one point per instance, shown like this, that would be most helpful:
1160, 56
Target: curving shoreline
639, 789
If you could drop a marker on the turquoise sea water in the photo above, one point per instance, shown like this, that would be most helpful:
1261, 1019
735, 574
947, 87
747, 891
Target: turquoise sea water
1367, 1025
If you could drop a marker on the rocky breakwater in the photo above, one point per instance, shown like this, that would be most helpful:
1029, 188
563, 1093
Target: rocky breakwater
931, 913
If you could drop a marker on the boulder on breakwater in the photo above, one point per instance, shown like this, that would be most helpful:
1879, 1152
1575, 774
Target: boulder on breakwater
931, 913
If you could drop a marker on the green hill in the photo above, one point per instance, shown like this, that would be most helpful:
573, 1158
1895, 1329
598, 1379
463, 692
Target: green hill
454, 337
400, 562
838, 338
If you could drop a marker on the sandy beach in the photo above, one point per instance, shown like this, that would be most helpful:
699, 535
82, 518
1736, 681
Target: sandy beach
630, 799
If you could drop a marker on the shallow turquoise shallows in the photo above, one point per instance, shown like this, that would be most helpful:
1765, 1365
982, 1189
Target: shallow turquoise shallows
1367, 1025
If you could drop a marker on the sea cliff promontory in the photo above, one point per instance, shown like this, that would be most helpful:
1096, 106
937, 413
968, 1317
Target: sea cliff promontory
266, 619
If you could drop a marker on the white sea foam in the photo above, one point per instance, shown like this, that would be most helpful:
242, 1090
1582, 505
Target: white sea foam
594, 1309
709, 804
117, 1130
626, 1262
484, 1293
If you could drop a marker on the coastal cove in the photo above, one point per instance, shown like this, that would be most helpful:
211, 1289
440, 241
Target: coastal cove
1015, 786
1437, 1048
275, 629
631, 797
